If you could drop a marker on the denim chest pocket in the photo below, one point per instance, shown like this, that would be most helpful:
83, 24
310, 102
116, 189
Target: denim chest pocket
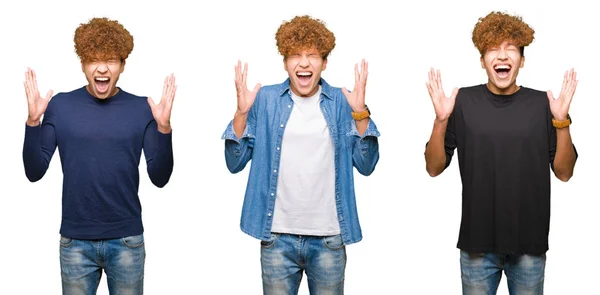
334, 242
133, 241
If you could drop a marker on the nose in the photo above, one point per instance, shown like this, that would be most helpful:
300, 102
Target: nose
304, 61
502, 54
102, 67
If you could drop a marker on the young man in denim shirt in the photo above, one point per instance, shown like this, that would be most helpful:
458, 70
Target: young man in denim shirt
100, 131
304, 138
509, 138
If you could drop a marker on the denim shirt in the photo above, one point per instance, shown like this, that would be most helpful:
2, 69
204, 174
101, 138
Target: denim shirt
261, 142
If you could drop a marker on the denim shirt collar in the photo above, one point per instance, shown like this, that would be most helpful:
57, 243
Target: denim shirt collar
326, 90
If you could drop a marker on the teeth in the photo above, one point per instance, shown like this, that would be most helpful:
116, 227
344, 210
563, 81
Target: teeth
102, 79
499, 67
306, 74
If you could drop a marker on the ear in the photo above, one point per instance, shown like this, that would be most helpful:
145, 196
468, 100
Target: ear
82, 66
482, 62
122, 66
324, 66
284, 65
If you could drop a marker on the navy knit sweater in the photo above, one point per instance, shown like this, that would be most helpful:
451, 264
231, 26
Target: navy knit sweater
100, 144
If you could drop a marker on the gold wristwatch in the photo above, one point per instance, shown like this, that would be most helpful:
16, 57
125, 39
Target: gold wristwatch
361, 115
561, 124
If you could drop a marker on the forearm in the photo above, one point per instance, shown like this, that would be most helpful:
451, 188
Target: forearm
564, 160
160, 166
361, 126
239, 123
35, 161
435, 154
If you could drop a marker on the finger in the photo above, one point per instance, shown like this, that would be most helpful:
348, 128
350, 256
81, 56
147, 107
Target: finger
151, 103
26, 92
454, 93
365, 72
165, 86
439, 80
171, 86
49, 95
35, 87
172, 96
29, 81
430, 75
565, 80
256, 88
431, 93
550, 96
237, 71
345, 91
245, 74
434, 81
356, 75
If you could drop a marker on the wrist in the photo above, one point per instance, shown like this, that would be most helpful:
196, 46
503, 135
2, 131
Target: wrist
561, 122
33, 122
359, 115
164, 129
360, 109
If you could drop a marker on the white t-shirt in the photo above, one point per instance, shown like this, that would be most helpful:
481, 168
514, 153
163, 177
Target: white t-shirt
305, 201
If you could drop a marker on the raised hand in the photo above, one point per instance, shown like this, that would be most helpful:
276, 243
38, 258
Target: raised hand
356, 98
162, 110
560, 106
442, 105
245, 97
36, 105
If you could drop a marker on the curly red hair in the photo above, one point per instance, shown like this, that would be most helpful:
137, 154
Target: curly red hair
498, 27
102, 39
304, 32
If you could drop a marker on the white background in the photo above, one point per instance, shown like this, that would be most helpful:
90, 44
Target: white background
410, 221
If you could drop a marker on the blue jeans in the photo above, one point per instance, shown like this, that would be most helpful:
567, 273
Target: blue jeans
481, 273
284, 257
82, 261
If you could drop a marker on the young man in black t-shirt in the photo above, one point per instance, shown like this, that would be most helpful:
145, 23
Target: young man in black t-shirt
509, 138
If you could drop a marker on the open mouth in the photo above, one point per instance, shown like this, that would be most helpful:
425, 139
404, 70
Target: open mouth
502, 70
102, 84
304, 77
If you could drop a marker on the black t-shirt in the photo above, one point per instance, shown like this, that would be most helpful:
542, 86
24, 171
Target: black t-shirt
506, 146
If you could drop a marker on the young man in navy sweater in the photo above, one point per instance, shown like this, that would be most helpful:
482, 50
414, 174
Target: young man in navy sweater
100, 131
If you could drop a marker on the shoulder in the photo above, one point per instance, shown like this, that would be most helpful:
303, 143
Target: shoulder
471, 90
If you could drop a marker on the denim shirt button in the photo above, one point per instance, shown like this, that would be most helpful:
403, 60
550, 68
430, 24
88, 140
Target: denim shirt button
269, 214
278, 148
341, 218
275, 171
281, 125
272, 194
289, 106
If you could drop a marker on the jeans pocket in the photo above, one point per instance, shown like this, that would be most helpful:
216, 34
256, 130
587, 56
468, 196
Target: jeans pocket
65, 242
269, 243
133, 241
334, 242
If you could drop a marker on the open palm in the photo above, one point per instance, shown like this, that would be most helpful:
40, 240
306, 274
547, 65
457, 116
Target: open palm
245, 97
560, 106
442, 105
162, 110
36, 105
